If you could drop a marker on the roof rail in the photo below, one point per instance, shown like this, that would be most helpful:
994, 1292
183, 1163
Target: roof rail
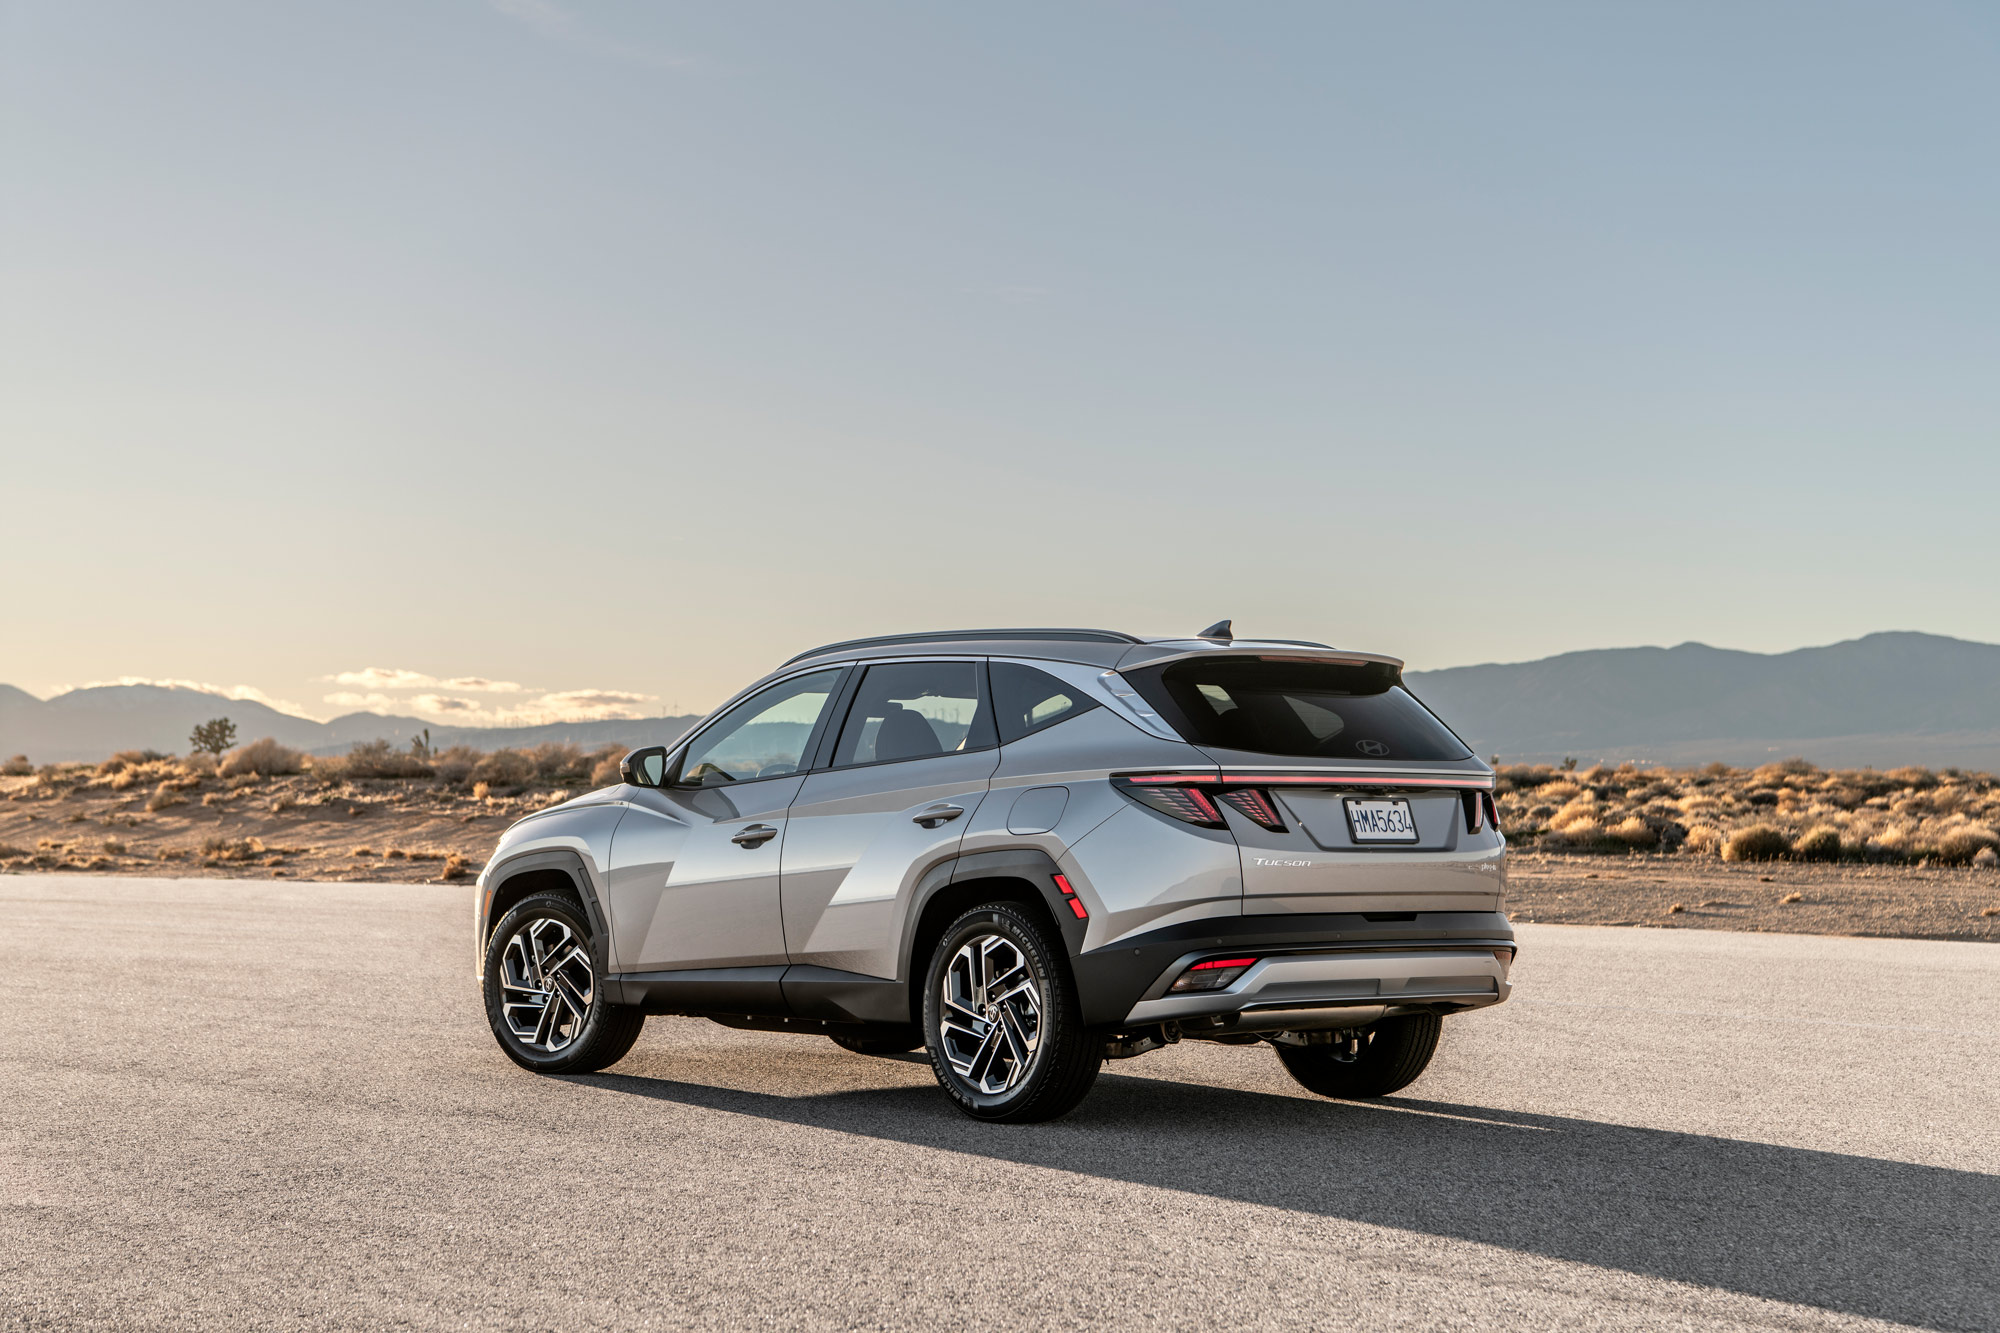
962, 635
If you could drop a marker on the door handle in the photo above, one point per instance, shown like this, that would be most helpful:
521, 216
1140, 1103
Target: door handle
937, 816
756, 835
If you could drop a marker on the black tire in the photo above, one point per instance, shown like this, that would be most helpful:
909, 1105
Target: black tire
1393, 1053
554, 921
886, 1039
1062, 1055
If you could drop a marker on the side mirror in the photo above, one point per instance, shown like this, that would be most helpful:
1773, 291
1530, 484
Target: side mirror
645, 767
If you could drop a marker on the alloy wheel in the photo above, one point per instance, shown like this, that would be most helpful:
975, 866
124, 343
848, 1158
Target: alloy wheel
546, 985
990, 1023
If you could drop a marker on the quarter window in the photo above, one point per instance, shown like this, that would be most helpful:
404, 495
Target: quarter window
1026, 700
765, 736
914, 710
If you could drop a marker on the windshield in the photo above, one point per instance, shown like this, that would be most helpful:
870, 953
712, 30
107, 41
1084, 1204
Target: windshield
1318, 710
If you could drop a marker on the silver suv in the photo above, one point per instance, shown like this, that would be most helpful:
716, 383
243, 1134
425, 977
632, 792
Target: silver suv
1027, 851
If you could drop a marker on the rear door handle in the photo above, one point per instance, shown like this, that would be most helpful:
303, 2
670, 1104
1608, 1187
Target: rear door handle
756, 835
937, 816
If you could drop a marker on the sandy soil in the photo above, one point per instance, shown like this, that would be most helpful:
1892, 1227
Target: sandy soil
398, 832
1949, 903
415, 832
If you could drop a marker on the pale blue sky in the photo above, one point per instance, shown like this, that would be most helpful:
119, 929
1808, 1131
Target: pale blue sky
632, 348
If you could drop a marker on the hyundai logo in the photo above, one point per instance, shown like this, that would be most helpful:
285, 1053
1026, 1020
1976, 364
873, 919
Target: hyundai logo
1373, 749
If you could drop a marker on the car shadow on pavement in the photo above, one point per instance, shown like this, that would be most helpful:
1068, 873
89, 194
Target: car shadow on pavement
1859, 1235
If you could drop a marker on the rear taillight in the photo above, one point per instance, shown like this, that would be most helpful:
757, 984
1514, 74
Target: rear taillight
1211, 974
1194, 798
1475, 811
1255, 806
1492, 809
1180, 797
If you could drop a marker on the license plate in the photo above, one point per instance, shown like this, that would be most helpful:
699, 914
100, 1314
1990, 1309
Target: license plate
1381, 821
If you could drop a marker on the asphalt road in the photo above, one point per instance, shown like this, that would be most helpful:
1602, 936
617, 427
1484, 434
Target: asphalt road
257, 1104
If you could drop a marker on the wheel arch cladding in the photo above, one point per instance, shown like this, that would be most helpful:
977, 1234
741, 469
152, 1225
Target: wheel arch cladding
1025, 878
538, 872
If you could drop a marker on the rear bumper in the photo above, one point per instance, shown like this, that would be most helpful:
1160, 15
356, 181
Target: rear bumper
1334, 970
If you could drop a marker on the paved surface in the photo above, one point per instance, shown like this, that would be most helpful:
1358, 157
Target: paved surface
276, 1105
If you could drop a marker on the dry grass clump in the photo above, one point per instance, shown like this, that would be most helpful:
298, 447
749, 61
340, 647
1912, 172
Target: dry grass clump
231, 849
263, 758
164, 797
1759, 842
17, 767
455, 866
1903, 815
373, 759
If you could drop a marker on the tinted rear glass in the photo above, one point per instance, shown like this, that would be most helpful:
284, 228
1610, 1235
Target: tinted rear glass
1315, 710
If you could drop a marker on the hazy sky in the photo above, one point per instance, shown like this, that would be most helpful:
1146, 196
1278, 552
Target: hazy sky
631, 348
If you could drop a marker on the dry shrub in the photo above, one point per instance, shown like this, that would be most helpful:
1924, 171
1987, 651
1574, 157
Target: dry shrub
455, 866
1579, 832
1636, 832
1759, 842
1821, 842
125, 759
17, 767
560, 761
373, 759
455, 765
362, 851
164, 797
606, 772
232, 849
505, 768
114, 846
265, 758
480, 791
1962, 844
1986, 858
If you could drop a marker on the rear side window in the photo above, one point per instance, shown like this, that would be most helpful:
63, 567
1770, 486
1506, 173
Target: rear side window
1026, 700
914, 710
1317, 710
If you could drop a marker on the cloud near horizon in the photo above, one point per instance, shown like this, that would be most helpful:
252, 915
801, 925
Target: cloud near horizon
401, 678
249, 693
550, 706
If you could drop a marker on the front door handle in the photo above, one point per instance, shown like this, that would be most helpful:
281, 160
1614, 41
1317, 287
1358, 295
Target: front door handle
756, 835
937, 816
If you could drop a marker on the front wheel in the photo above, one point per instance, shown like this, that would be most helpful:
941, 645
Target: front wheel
1387, 1058
1002, 1021
543, 1000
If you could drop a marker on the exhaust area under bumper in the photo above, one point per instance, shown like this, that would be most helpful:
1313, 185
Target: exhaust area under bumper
1337, 988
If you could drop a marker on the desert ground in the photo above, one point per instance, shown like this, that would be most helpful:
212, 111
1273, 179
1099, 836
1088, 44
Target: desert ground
275, 1105
1786, 847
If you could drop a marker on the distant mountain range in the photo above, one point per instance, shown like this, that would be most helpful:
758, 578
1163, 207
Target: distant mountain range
1880, 701
96, 722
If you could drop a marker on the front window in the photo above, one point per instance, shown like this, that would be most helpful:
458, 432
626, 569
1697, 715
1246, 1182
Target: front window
1318, 710
765, 736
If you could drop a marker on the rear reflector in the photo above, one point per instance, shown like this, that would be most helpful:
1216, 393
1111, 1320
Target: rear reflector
1069, 896
1211, 974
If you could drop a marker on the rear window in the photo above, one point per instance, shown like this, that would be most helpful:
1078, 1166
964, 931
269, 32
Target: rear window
1317, 710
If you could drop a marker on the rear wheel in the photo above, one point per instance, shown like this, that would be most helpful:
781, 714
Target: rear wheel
543, 1000
1386, 1058
887, 1040
1002, 1021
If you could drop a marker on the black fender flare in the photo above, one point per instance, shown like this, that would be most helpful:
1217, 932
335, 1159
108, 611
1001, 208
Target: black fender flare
569, 863
1029, 864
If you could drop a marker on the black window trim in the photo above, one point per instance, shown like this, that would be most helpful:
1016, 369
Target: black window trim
823, 762
836, 697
